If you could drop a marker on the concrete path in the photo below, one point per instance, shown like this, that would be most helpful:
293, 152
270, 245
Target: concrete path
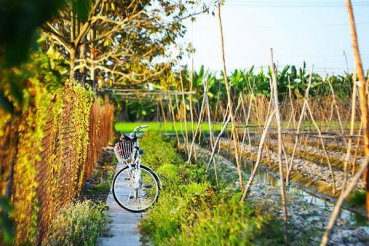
123, 226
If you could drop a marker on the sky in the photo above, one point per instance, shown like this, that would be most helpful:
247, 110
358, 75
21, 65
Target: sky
314, 31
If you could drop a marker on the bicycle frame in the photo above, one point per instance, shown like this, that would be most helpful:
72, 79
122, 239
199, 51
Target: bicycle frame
136, 175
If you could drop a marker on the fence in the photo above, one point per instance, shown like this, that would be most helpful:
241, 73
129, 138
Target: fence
48, 151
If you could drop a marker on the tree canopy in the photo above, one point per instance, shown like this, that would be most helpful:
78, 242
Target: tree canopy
120, 42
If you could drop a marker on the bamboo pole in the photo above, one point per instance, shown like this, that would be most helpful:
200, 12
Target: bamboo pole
180, 114
245, 118
184, 114
341, 199
337, 109
248, 119
292, 116
191, 110
234, 133
212, 145
258, 159
226, 120
174, 120
324, 149
163, 113
192, 148
358, 141
352, 126
280, 145
289, 168
363, 97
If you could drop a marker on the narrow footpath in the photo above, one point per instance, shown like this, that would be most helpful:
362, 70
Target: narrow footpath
123, 226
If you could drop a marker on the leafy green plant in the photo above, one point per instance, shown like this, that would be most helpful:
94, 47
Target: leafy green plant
191, 211
7, 232
157, 151
358, 197
82, 223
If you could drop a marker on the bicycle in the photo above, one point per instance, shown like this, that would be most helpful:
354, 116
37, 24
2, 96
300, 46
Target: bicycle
136, 187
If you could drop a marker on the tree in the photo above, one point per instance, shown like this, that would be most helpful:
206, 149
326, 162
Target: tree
120, 41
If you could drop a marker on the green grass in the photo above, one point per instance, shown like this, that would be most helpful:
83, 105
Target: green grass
191, 211
80, 223
169, 126
161, 127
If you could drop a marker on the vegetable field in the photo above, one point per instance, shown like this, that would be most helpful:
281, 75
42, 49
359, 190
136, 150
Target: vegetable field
268, 155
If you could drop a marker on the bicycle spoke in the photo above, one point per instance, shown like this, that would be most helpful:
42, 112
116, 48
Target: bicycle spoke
134, 192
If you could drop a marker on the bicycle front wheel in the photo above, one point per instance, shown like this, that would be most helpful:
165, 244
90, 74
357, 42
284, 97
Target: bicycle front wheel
135, 189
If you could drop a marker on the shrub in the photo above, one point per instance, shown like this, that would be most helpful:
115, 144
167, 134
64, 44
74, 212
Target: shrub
191, 211
157, 151
82, 223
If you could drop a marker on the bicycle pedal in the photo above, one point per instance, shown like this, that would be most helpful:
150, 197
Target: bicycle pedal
147, 185
128, 178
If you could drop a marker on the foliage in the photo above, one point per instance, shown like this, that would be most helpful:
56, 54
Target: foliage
357, 197
19, 21
17, 29
160, 152
6, 224
192, 212
30, 133
120, 41
243, 83
47, 69
49, 143
81, 223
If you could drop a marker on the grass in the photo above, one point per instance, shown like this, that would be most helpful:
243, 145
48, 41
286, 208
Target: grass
192, 211
81, 223
161, 127
169, 126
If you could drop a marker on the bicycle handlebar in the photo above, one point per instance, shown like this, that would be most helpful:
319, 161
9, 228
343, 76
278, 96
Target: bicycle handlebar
138, 128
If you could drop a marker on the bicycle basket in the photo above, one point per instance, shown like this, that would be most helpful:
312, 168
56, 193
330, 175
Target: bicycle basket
123, 148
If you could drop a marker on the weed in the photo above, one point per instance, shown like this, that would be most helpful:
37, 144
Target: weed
82, 223
358, 197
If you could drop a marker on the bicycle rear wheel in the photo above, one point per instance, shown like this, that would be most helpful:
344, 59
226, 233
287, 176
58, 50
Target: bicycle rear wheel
135, 190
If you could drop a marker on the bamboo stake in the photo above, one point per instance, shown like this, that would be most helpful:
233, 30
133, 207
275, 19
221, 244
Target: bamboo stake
191, 110
358, 141
258, 159
248, 119
226, 120
306, 98
163, 113
184, 114
292, 116
174, 120
363, 97
341, 199
337, 110
180, 114
245, 117
324, 149
192, 148
212, 145
280, 144
352, 125
234, 133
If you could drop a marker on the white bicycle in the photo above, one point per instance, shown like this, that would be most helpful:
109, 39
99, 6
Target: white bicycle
135, 187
